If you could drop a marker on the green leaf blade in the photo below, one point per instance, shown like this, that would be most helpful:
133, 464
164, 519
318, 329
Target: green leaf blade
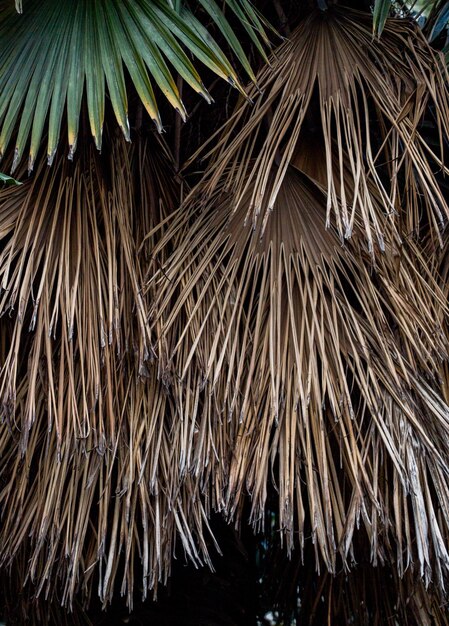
380, 14
55, 53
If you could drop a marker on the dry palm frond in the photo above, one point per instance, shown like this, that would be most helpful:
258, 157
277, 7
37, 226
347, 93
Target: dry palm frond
87, 519
91, 444
70, 277
440, 260
366, 97
320, 372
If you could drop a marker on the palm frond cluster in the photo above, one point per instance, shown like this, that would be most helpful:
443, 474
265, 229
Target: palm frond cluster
322, 348
86, 422
282, 329
56, 50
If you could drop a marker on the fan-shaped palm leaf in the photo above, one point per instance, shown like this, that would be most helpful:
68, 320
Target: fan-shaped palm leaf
367, 97
322, 369
291, 337
69, 271
53, 51
92, 445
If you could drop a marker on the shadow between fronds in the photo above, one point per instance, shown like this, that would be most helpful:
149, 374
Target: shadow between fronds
333, 81
322, 370
364, 596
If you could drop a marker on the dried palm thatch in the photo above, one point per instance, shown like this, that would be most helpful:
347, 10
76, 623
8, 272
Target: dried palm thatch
322, 373
369, 97
90, 440
439, 257
322, 361
69, 273
90, 522
283, 355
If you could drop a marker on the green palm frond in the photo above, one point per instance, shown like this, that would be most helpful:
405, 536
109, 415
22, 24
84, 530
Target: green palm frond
55, 51
438, 21
428, 10
381, 12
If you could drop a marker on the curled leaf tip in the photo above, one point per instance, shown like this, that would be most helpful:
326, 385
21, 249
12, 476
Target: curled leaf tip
126, 131
8, 180
158, 123
182, 112
98, 141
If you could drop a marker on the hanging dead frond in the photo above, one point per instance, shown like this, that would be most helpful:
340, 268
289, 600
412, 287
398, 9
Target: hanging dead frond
92, 445
321, 371
79, 521
69, 271
363, 101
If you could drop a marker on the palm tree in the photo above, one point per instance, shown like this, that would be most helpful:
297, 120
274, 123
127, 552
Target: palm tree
271, 343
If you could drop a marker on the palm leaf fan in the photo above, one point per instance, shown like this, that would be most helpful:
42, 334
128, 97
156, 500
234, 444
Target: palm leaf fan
91, 443
331, 80
70, 272
79, 521
54, 51
399, 264
295, 340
